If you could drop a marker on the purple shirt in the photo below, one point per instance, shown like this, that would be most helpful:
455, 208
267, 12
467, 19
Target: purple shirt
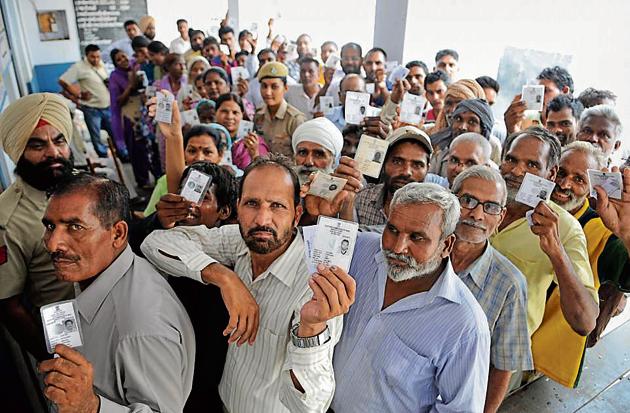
118, 82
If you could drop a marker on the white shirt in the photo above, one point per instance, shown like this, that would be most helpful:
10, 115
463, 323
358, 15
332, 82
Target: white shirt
179, 46
297, 97
251, 379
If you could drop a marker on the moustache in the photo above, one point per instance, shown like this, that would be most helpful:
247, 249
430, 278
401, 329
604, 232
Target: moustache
473, 223
58, 256
410, 261
509, 178
262, 229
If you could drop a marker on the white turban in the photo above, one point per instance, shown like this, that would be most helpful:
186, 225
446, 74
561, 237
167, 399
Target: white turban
21, 117
320, 131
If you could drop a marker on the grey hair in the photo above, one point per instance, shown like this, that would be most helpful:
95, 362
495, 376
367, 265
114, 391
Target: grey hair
602, 111
482, 172
589, 150
427, 193
476, 139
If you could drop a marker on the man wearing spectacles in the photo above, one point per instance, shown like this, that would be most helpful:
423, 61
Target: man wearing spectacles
498, 285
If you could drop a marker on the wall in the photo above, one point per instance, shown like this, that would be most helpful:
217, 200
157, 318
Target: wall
595, 33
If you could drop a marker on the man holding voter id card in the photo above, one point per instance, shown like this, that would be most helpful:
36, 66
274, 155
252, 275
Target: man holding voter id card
317, 146
548, 245
269, 261
135, 346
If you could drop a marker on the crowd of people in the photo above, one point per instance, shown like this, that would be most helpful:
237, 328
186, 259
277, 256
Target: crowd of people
458, 293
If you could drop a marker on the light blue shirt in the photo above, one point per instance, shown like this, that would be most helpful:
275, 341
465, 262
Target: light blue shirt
337, 117
428, 352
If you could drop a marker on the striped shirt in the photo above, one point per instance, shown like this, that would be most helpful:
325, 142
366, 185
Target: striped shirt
252, 375
426, 352
501, 290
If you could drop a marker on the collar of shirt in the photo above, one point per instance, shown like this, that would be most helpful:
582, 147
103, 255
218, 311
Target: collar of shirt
282, 110
478, 270
582, 210
90, 300
35, 195
443, 287
280, 268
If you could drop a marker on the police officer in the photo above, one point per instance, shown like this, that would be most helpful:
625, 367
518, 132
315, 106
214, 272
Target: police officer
35, 132
276, 119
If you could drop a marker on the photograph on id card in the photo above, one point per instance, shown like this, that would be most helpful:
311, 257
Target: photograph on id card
534, 189
164, 111
326, 186
610, 181
332, 61
326, 104
239, 73
357, 104
61, 325
334, 242
533, 96
370, 155
196, 186
190, 117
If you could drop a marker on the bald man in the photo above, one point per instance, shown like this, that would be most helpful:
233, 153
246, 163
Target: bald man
35, 132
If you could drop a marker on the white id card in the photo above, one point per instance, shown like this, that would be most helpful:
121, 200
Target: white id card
326, 186
326, 104
292, 53
411, 108
356, 107
369, 87
528, 215
239, 73
150, 91
61, 325
371, 112
399, 73
610, 181
370, 155
190, 117
196, 186
244, 128
164, 111
534, 189
533, 96
390, 66
224, 48
187, 91
332, 61
334, 242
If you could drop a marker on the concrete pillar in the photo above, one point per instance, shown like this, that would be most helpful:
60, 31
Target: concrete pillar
390, 22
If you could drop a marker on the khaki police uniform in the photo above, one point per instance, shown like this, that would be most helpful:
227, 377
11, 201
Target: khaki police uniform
25, 265
277, 130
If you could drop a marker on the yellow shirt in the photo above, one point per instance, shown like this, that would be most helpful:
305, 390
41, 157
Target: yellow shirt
521, 246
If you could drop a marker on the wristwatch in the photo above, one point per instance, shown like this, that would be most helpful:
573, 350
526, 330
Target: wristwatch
309, 342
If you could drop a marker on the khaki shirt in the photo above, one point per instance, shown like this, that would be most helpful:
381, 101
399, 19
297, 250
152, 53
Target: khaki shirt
91, 79
279, 130
25, 266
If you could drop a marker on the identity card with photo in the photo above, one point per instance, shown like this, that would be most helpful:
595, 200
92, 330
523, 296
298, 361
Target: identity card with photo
534, 189
371, 112
326, 186
224, 48
356, 107
239, 73
150, 91
390, 66
190, 117
533, 96
370, 87
399, 73
332, 61
411, 108
610, 181
334, 242
61, 325
196, 186
164, 111
244, 128
326, 104
370, 155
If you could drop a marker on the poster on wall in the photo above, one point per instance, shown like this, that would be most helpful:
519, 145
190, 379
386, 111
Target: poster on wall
101, 22
53, 25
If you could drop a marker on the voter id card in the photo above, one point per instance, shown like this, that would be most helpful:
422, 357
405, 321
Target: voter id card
357, 104
610, 181
326, 186
370, 155
333, 243
196, 186
164, 107
533, 96
61, 325
534, 189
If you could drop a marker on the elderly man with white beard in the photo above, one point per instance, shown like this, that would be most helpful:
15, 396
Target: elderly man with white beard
317, 145
499, 287
607, 254
415, 340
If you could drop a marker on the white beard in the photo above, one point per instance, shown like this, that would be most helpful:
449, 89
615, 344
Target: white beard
413, 269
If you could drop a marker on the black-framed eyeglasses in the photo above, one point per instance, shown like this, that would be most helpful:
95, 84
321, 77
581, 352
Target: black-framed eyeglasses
489, 207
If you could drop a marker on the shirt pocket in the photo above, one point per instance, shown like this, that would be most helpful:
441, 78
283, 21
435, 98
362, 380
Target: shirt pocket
404, 377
